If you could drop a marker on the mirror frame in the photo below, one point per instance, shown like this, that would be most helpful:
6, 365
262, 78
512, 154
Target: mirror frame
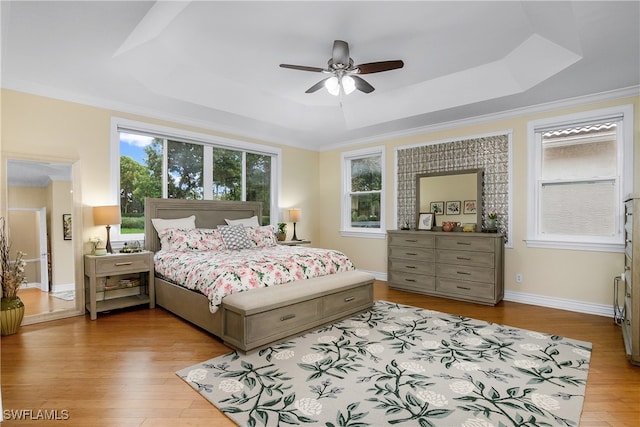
77, 225
479, 182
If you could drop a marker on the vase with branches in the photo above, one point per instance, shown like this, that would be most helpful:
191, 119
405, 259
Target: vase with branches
12, 276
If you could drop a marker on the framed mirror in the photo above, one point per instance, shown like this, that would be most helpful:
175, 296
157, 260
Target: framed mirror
44, 220
451, 196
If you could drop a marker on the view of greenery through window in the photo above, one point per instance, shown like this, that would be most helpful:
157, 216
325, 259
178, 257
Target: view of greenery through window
366, 187
141, 173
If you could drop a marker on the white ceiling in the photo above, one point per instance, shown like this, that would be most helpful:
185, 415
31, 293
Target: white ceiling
215, 64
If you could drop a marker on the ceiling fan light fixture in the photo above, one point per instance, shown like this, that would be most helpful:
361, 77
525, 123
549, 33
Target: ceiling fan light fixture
348, 84
333, 85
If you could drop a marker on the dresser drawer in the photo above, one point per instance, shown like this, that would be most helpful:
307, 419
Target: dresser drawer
409, 253
461, 243
472, 290
419, 282
421, 240
114, 264
343, 301
411, 266
465, 272
272, 322
479, 259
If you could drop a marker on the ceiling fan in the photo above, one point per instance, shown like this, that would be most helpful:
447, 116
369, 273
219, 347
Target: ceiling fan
343, 76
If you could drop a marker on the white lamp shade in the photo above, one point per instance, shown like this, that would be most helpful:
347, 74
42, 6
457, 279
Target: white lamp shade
294, 215
332, 85
106, 215
348, 84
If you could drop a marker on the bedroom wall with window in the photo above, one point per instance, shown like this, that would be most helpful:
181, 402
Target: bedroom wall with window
35, 127
572, 279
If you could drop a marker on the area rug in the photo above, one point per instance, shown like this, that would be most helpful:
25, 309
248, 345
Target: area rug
64, 295
402, 365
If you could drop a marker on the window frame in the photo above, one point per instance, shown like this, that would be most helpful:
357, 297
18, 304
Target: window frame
345, 218
209, 141
624, 179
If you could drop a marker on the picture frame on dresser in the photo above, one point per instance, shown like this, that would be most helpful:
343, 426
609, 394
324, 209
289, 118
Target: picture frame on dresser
425, 221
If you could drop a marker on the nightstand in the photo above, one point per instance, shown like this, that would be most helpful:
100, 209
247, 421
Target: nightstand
117, 281
294, 242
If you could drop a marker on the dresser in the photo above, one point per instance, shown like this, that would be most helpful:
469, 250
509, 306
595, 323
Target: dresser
457, 265
631, 311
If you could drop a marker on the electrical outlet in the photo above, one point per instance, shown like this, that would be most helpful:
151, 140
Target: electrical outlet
519, 278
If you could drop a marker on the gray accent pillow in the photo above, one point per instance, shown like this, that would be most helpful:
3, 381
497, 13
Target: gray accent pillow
235, 237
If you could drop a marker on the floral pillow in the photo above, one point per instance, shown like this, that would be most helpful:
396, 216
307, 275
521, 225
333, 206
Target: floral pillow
199, 239
264, 236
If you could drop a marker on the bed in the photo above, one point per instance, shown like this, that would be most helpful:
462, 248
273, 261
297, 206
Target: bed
256, 317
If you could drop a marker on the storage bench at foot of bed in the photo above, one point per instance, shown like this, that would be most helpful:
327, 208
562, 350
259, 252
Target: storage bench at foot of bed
262, 316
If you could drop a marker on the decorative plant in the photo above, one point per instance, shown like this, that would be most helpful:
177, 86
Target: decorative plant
493, 215
282, 227
12, 274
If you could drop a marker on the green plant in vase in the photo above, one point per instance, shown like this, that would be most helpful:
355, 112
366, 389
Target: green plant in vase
281, 234
11, 278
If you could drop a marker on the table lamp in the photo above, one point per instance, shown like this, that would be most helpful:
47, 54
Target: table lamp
294, 216
107, 215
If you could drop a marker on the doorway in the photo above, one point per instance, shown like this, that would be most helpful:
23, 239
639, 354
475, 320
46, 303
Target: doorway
27, 229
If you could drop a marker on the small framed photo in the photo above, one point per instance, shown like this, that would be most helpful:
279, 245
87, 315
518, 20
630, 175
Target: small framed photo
453, 207
437, 207
469, 207
66, 226
425, 220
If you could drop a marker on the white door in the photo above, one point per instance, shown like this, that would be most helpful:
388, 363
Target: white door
28, 233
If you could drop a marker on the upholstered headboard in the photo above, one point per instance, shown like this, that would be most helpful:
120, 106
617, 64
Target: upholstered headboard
209, 214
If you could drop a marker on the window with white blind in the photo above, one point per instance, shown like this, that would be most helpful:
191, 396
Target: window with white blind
580, 171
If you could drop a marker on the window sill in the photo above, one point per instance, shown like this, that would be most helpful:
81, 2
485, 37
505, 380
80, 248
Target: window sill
575, 246
364, 234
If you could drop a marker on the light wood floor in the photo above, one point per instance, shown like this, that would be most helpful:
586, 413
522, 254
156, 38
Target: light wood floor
120, 369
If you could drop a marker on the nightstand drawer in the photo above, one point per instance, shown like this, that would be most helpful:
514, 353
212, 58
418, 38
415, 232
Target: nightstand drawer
114, 264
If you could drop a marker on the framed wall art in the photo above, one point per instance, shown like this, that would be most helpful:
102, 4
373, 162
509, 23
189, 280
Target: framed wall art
66, 226
469, 207
437, 207
425, 220
453, 207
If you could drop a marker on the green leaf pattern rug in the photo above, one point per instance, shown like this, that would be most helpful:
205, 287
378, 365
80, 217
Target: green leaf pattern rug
402, 365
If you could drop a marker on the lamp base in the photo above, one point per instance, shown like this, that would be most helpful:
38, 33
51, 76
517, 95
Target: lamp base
108, 247
295, 238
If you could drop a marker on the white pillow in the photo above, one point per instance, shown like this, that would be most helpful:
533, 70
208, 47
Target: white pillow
160, 224
247, 222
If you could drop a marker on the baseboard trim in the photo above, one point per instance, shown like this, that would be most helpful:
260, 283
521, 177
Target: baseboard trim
560, 303
542, 300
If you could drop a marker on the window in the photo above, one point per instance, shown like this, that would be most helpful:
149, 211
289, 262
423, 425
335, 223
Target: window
162, 162
580, 173
363, 197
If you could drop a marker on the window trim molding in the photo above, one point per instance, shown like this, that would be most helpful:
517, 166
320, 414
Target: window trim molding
345, 216
119, 124
625, 176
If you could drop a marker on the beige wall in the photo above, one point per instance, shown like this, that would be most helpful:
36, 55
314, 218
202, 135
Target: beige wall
563, 274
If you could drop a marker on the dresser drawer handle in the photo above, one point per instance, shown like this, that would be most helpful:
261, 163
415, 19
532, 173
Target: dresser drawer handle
410, 266
349, 299
409, 280
411, 241
463, 243
411, 253
466, 273
287, 317
120, 264
463, 287
463, 258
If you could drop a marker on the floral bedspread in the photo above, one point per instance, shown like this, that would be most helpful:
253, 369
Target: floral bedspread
220, 273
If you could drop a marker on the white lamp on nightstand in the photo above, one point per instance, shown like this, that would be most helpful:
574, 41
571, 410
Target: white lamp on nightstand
107, 215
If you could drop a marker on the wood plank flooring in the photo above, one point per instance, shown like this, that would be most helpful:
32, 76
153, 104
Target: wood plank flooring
120, 369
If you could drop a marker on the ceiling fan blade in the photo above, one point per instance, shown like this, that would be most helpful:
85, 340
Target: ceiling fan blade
317, 86
302, 68
362, 85
378, 67
340, 52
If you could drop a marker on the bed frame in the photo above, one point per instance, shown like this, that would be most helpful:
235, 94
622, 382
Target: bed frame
332, 297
